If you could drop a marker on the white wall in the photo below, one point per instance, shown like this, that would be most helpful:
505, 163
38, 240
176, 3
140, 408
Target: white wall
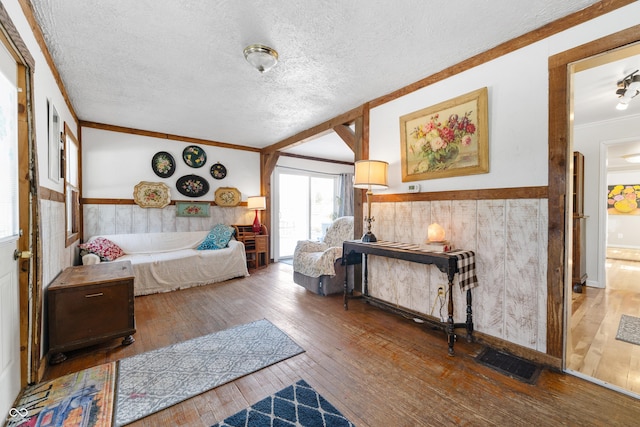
114, 162
591, 140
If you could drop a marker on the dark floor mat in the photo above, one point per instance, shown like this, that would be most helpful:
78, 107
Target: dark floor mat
509, 365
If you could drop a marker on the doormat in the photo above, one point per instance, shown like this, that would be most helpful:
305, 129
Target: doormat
296, 405
629, 329
509, 365
83, 398
152, 381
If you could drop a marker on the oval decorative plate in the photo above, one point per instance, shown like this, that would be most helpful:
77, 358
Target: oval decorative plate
192, 186
151, 194
163, 164
227, 196
194, 156
218, 171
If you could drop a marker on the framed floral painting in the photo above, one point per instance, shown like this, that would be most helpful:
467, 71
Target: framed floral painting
447, 139
623, 199
192, 208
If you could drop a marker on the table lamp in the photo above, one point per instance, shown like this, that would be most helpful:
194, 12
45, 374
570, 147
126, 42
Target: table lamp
258, 203
370, 175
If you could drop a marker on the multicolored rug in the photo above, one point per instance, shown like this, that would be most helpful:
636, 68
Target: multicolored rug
629, 329
155, 380
83, 398
297, 405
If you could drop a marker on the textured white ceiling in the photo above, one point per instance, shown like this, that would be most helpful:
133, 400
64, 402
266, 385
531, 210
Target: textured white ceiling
176, 66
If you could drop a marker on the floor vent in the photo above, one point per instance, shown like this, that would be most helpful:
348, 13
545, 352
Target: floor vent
509, 365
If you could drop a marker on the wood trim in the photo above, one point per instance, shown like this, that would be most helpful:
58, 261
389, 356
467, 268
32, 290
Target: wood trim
160, 135
51, 195
15, 40
96, 201
347, 135
315, 159
300, 137
512, 45
37, 33
482, 194
518, 350
559, 168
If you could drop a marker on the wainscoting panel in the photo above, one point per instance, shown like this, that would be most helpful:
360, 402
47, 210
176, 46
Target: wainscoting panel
510, 241
55, 256
125, 219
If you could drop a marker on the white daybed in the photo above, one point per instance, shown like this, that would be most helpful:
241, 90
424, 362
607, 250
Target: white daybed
164, 262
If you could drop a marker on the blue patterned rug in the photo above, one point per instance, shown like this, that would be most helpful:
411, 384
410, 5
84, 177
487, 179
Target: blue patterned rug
297, 405
155, 380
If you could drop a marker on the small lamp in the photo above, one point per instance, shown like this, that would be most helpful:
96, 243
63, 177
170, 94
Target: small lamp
435, 233
370, 175
258, 203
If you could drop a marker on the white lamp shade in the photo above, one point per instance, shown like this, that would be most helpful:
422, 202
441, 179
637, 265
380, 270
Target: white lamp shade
258, 203
371, 175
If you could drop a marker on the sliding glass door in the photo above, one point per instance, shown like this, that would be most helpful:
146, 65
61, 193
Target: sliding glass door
305, 205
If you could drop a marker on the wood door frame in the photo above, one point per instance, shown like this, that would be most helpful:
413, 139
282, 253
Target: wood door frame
559, 293
30, 271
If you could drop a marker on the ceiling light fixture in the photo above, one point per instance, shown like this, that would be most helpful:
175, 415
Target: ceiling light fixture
262, 57
628, 88
632, 158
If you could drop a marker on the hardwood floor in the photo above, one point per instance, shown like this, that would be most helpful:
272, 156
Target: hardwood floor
594, 349
377, 368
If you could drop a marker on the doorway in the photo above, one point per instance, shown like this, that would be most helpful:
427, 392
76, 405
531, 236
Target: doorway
305, 206
593, 349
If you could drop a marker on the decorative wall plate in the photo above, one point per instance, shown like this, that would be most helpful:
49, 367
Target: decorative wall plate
192, 186
194, 156
227, 196
218, 171
151, 194
163, 164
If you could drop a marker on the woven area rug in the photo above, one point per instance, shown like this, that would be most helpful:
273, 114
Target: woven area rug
296, 405
155, 380
83, 398
629, 329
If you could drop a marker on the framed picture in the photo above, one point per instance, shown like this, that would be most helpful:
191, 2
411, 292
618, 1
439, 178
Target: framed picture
447, 139
623, 199
192, 209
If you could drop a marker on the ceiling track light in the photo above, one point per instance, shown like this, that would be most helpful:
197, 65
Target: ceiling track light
628, 88
262, 57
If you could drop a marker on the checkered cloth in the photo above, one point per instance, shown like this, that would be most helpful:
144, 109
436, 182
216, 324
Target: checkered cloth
466, 269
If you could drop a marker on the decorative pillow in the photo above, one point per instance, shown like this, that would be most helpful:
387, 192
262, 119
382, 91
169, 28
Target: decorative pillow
104, 248
218, 237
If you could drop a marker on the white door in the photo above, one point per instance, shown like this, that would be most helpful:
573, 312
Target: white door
9, 295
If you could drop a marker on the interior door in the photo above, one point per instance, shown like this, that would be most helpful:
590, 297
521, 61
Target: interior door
9, 295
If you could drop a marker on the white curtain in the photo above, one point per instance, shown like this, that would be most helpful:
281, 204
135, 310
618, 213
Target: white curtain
345, 194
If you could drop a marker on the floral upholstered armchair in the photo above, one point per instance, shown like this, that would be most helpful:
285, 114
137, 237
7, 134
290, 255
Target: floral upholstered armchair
317, 266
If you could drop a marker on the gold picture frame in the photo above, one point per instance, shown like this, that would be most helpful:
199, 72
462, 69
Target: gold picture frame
151, 194
227, 196
445, 140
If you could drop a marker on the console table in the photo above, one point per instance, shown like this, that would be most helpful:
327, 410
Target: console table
450, 263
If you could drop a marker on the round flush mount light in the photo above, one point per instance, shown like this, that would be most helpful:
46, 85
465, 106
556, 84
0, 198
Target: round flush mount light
262, 57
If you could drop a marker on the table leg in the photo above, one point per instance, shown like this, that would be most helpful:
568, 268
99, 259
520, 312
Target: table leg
346, 284
451, 336
469, 317
366, 275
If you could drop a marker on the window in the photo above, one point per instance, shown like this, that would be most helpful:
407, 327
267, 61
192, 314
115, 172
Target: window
72, 185
306, 206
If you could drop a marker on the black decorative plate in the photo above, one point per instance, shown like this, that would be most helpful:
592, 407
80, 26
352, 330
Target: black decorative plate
194, 156
192, 186
163, 164
218, 171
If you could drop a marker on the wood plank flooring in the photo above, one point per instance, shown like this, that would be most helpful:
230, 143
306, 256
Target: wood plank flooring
593, 348
377, 368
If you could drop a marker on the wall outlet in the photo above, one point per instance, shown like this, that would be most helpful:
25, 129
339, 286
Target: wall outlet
414, 188
440, 291
619, 235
